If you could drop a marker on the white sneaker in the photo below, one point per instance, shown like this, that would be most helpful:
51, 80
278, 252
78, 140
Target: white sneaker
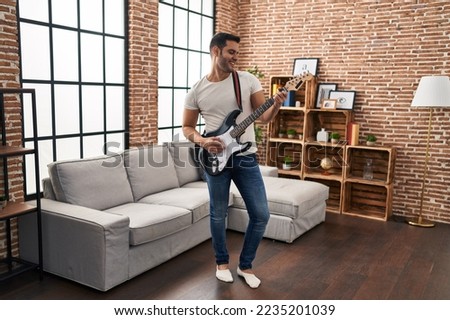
251, 279
224, 275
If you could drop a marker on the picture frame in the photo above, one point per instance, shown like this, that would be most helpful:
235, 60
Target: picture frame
323, 92
329, 104
301, 65
345, 98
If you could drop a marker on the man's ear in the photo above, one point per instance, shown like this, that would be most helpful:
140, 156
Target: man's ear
215, 51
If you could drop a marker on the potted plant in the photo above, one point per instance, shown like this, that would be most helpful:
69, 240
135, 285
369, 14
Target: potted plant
256, 72
371, 139
287, 163
335, 137
258, 134
291, 133
281, 133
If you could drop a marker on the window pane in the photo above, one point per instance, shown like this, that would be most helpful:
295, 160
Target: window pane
115, 106
180, 67
165, 107
195, 33
206, 64
207, 33
65, 55
64, 12
43, 110
165, 28
45, 157
67, 149
35, 53
67, 109
115, 143
180, 28
91, 13
182, 3
194, 66
92, 108
114, 17
208, 7
34, 9
165, 67
91, 58
114, 60
195, 6
164, 135
93, 146
178, 107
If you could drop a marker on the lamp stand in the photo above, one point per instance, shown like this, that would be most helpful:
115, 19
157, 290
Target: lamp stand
419, 221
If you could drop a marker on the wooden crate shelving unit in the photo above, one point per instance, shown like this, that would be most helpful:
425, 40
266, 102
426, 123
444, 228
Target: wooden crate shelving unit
369, 198
349, 192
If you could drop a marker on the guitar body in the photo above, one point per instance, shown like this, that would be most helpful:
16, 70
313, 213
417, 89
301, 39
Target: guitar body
214, 164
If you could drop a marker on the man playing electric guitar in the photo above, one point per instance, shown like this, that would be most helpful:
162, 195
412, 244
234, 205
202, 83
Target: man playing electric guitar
215, 98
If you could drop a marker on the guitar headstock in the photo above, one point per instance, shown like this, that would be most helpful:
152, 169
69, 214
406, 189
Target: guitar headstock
297, 81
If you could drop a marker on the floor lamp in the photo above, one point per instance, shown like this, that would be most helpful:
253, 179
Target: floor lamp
432, 92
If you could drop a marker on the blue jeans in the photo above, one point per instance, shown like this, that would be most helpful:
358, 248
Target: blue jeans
245, 173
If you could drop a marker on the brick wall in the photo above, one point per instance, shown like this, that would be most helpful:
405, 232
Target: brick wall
381, 49
143, 72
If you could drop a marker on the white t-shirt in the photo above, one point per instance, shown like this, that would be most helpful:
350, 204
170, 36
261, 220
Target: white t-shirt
215, 101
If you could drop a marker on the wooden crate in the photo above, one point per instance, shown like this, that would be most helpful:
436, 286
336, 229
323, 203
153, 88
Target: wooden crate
278, 150
366, 200
334, 201
306, 93
313, 155
331, 120
383, 163
293, 118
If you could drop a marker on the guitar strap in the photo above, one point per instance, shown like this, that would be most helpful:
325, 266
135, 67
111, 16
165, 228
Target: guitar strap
237, 89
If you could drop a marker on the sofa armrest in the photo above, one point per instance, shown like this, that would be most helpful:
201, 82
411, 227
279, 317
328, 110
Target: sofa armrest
85, 245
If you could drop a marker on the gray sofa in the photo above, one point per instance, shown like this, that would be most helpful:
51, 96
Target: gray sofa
108, 219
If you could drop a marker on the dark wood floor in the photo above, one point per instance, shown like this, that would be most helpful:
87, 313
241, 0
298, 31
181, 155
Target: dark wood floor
343, 258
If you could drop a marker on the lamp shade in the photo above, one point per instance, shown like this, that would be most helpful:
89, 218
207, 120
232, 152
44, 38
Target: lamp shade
433, 92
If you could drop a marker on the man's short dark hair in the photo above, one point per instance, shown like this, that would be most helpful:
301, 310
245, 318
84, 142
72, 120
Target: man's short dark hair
220, 40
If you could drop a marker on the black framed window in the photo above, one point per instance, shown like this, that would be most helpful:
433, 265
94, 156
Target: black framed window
185, 30
74, 54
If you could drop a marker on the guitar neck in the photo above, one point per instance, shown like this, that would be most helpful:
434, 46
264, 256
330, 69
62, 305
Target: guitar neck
240, 128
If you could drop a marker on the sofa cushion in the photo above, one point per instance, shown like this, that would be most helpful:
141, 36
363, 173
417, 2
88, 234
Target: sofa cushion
96, 183
183, 156
150, 222
150, 170
288, 197
195, 200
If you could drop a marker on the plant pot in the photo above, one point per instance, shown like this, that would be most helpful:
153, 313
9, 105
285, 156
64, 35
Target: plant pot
281, 135
334, 141
291, 136
286, 166
370, 143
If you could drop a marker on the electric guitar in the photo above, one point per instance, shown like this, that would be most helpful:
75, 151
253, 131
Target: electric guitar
230, 132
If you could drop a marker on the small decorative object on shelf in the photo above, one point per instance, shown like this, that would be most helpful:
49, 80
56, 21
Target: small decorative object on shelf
256, 72
287, 163
335, 136
326, 164
371, 139
322, 136
281, 133
368, 170
300, 136
291, 133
